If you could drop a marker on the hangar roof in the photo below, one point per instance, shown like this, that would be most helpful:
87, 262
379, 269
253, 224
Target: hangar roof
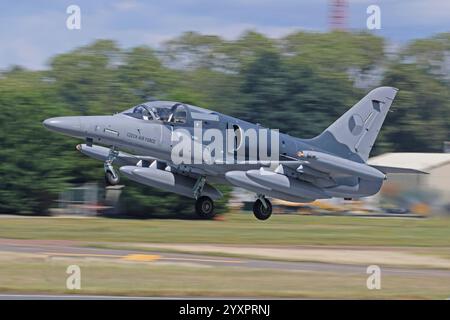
418, 161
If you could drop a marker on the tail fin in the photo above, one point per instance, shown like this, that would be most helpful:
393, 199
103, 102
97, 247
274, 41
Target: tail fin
354, 133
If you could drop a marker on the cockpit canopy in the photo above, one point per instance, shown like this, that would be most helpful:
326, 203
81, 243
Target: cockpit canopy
166, 111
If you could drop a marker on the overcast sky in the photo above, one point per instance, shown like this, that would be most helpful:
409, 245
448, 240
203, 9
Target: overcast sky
33, 31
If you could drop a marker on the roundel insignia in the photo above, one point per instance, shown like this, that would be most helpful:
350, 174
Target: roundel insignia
355, 124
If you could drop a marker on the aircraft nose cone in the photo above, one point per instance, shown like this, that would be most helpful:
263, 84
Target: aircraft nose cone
59, 123
67, 125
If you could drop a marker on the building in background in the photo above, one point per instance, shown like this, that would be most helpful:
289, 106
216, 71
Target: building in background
88, 200
447, 146
417, 193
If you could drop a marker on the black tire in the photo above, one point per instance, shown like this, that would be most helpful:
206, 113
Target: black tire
260, 212
110, 180
204, 206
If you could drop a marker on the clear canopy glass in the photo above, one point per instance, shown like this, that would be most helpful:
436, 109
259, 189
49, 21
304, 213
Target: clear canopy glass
159, 110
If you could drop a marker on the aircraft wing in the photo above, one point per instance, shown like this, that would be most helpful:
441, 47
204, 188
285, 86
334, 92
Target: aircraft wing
320, 165
311, 166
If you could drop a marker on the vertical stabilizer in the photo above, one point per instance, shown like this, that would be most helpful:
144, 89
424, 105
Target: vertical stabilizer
353, 135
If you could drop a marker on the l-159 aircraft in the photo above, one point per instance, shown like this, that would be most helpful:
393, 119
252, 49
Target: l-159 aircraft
185, 149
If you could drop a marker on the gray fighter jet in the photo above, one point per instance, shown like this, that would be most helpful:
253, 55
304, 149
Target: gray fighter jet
185, 149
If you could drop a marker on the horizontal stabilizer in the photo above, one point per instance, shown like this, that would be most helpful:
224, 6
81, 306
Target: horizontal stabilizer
386, 169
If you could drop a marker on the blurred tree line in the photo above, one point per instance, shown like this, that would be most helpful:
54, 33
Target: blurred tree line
299, 84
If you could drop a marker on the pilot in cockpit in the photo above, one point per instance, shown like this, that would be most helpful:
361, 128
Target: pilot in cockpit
176, 113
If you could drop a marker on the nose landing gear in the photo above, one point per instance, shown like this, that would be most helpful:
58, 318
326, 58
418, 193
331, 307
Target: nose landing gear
262, 208
204, 205
111, 176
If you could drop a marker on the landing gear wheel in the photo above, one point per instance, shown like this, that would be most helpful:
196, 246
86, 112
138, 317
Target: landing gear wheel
261, 212
204, 206
110, 179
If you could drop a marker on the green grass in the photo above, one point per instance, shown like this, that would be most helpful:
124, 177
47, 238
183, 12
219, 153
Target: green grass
34, 275
24, 273
239, 229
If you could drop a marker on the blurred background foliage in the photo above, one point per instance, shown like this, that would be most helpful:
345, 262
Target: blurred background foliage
299, 84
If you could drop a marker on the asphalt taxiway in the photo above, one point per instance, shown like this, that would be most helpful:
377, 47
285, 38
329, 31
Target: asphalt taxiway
56, 248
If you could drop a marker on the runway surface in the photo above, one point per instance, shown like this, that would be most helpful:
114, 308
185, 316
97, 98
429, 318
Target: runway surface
56, 248
102, 297
74, 297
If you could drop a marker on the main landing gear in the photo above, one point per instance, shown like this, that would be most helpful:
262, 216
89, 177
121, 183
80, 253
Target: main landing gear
111, 176
204, 205
262, 208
